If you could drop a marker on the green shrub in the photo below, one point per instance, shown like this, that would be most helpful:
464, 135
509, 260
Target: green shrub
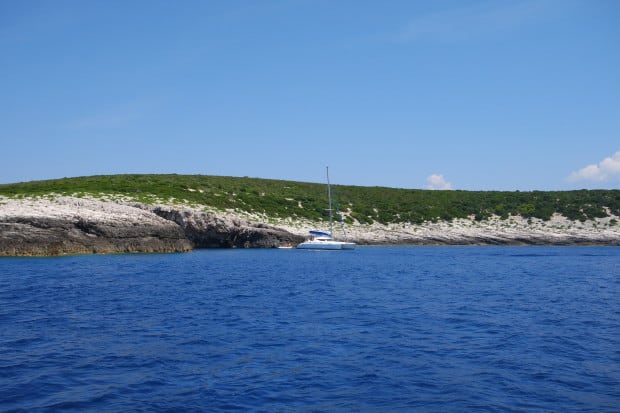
367, 204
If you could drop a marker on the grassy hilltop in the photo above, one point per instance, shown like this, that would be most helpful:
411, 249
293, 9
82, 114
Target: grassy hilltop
278, 198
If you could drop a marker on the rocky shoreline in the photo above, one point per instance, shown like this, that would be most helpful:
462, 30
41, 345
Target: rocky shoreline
494, 231
65, 225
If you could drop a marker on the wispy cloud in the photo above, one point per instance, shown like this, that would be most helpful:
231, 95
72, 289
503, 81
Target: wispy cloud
437, 181
481, 19
605, 170
115, 116
103, 120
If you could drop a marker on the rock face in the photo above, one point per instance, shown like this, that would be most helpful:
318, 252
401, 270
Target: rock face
493, 231
68, 225
75, 226
41, 236
207, 230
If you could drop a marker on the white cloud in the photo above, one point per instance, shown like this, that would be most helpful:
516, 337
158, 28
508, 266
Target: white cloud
605, 170
436, 181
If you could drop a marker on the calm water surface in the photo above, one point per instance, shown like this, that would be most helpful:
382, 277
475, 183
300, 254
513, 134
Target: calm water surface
385, 329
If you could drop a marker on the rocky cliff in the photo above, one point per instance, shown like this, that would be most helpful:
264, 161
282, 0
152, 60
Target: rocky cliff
208, 230
66, 225
74, 226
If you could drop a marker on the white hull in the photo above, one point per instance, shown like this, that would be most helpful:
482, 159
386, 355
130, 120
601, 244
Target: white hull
326, 245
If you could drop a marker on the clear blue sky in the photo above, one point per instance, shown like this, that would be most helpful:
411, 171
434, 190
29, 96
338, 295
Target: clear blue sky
476, 95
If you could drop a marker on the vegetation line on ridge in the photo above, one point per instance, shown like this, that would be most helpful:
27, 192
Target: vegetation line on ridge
303, 200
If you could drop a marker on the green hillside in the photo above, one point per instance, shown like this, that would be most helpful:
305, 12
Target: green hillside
283, 199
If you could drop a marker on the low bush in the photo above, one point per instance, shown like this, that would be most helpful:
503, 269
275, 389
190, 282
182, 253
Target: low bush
366, 205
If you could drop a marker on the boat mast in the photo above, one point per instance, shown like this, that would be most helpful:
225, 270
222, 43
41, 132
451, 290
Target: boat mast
329, 196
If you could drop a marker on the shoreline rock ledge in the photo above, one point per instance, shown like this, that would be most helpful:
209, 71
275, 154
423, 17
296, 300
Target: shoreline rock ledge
208, 230
66, 225
46, 226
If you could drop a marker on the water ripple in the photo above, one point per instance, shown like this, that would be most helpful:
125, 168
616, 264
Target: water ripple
378, 329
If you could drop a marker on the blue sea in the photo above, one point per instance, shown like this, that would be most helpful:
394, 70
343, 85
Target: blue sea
378, 329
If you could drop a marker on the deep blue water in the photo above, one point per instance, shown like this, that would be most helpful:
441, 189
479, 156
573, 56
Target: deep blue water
385, 329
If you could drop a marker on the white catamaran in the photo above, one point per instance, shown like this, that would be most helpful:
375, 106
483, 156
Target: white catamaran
321, 240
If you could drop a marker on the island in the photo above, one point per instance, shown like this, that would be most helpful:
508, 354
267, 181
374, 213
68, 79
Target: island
178, 213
